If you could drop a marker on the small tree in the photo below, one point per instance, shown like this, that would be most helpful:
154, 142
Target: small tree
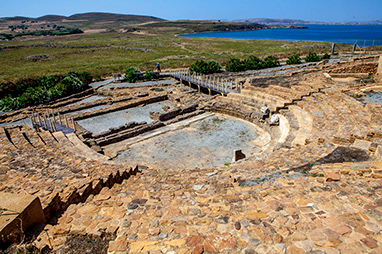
270, 61
326, 56
312, 57
148, 75
130, 74
252, 63
296, 59
235, 65
202, 67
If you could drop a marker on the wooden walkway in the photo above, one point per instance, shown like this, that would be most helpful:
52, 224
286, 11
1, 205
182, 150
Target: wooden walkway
210, 83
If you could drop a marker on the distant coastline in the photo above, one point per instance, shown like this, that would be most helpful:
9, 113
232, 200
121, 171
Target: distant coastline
267, 21
365, 35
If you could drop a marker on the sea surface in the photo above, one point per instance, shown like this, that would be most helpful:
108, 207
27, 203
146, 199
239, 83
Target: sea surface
363, 35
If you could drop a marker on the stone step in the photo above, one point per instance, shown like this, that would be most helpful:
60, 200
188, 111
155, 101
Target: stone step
285, 92
293, 126
305, 123
48, 138
244, 100
6, 142
85, 150
252, 91
34, 137
65, 142
19, 138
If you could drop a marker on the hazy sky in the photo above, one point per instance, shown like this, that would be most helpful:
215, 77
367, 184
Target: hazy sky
316, 10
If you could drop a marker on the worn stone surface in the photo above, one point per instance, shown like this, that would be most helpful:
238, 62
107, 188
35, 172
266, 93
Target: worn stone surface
321, 197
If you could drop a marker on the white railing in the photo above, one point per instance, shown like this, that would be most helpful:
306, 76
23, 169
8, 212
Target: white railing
207, 81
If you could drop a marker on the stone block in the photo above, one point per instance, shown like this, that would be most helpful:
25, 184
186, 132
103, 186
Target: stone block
379, 70
378, 153
18, 213
361, 144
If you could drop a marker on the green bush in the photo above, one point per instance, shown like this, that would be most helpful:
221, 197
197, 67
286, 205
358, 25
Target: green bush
19, 87
202, 67
270, 61
312, 57
42, 89
130, 74
251, 63
235, 65
148, 75
296, 59
326, 56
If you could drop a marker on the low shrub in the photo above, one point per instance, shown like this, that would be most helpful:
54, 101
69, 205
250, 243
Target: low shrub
312, 57
148, 75
235, 65
130, 74
203, 67
35, 91
270, 61
296, 59
326, 56
251, 63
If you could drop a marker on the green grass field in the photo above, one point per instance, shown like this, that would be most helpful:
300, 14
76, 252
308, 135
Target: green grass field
108, 52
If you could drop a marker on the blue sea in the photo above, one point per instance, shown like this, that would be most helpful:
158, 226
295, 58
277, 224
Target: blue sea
363, 35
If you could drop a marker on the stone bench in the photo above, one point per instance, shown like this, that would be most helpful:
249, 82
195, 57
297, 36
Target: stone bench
263, 95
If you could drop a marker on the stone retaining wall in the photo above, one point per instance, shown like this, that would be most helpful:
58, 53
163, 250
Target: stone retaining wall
59, 204
128, 134
118, 129
120, 107
239, 112
172, 113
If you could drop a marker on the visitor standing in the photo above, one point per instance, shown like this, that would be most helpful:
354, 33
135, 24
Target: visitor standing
158, 67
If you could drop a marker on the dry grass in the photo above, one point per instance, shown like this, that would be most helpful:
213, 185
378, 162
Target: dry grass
105, 53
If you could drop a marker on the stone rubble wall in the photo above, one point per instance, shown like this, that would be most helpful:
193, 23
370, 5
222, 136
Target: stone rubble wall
121, 106
128, 134
118, 129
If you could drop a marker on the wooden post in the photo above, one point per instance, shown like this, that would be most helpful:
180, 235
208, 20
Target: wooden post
45, 122
66, 121
50, 125
39, 119
74, 126
59, 118
53, 125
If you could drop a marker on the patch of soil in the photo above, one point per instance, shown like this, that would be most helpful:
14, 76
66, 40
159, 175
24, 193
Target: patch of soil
363, 68
85, 244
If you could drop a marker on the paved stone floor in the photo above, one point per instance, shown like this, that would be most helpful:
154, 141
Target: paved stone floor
321, 196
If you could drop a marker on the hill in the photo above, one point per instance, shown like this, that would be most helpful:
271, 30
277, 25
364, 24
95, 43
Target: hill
198, 26
12, 27
90, 16
50, 18
107, 17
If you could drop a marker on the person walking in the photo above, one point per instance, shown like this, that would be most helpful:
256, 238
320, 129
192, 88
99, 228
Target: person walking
158, 67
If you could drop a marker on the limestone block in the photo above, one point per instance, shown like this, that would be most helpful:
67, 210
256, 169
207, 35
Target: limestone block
361, 144
379, 70
18, 213
378, 153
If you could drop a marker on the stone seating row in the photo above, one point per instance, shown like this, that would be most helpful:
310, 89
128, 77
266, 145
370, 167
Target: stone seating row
335, 114
37, 164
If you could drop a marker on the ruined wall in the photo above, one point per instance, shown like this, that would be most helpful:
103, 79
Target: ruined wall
379, 71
